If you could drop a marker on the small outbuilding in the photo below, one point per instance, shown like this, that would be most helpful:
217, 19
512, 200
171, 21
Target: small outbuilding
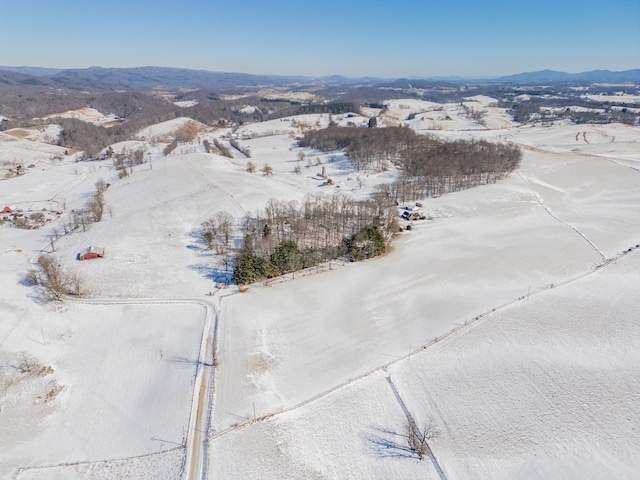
91, 253
413, 215
7, 210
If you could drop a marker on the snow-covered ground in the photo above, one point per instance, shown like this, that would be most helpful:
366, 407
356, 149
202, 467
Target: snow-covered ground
89, 115
165, 131
543, 388
125, 374
508, 319
29, 147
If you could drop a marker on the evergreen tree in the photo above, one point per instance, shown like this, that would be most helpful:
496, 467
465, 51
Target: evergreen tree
287, 257
368, 242
251, 268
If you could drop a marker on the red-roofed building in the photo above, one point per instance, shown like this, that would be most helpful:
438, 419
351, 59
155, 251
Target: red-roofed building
91, 253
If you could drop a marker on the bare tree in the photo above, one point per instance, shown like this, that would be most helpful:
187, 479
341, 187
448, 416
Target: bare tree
101, 186
77, 284
27, 365
209, 232
216, 233
224, 222
96, 206
417, 437
267, 170
138, 156
81, 218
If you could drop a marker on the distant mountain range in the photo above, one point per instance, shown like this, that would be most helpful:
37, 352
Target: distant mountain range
593, 76
146, 78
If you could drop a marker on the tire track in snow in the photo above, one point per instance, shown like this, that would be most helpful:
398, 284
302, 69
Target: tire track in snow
572, 153
635, 169
285, 188
222, 187
92, 172
554, 216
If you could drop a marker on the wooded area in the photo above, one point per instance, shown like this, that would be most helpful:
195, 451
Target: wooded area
430, 166
287, 236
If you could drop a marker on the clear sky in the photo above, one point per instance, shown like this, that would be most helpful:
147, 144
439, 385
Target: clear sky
383, 38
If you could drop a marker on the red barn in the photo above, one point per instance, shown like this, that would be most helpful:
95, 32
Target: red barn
7, 210
91, 253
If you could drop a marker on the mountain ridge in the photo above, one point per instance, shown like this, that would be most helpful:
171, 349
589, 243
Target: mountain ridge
150, 77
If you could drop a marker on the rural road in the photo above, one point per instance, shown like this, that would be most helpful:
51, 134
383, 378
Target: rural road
199, 419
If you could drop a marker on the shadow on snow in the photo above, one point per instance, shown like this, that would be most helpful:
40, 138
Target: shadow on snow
387, 443
207, 270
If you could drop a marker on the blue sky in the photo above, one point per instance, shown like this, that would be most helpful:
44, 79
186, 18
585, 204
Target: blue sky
383, 38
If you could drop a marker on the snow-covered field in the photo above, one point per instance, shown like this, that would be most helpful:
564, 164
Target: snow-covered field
125, 374
89, 115
544, 388
508, 321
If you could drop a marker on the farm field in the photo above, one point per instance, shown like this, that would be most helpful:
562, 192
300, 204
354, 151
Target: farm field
507, 321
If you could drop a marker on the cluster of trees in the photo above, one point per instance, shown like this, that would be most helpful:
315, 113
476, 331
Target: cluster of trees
216, 233
366, 148
92, 212
33, 221
55, 281
545, 110
474, 114
430, 166
124, 161
328, 139
522, 112
288, 236
335, 108
609, 115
